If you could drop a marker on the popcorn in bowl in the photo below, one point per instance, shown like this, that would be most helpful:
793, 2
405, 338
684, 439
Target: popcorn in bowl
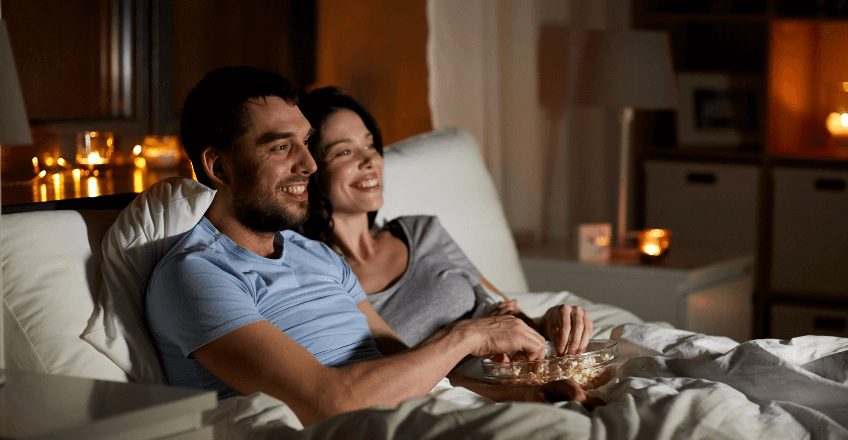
590, 369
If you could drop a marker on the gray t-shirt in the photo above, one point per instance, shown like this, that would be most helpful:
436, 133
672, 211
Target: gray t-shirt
437, 287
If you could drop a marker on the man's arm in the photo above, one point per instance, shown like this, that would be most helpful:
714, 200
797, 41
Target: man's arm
260, 357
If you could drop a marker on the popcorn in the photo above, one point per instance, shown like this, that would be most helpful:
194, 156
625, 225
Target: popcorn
589, 370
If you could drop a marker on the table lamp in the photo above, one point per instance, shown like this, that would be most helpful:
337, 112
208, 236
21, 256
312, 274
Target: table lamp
626, 70
14, 130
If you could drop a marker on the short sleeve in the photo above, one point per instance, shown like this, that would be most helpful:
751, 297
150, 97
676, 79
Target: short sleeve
428, 231
192, 301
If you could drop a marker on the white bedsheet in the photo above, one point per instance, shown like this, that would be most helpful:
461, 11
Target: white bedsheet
671, 384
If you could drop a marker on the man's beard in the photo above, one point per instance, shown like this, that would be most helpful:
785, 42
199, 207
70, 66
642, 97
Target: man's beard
257, 209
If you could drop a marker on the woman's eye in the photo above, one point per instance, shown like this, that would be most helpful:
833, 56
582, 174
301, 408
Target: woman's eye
370, 147
343, 153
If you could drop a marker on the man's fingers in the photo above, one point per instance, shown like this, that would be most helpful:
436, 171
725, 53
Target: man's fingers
587, 331
576, 330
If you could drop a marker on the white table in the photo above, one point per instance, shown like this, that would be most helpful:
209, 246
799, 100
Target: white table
43, 406
695, 291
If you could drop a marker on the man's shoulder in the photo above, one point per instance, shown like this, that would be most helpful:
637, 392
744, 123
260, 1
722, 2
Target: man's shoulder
303, 244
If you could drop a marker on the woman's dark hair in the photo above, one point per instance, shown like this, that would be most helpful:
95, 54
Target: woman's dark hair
215, 112
317, 106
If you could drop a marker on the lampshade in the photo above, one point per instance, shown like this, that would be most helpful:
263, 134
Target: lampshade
14, 125
627, 69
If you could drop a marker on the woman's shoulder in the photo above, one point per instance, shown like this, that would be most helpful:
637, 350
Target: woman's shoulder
416, 222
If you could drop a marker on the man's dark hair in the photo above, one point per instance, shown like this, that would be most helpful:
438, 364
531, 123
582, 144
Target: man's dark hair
317, 106
215, 112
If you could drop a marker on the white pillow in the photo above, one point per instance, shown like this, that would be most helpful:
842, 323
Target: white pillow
51, 263
442, 173
144, 231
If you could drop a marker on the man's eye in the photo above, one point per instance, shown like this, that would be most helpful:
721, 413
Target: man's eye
281, 147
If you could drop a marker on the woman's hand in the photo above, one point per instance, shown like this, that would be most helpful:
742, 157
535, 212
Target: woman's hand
568, 328
568, 389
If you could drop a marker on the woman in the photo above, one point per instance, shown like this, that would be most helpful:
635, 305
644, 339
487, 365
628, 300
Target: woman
415, 275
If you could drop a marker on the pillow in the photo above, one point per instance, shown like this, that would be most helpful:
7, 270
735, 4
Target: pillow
51, 270
144, 231
442, 173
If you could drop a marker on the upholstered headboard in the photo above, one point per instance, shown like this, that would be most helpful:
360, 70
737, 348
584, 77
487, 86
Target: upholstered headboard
442, 173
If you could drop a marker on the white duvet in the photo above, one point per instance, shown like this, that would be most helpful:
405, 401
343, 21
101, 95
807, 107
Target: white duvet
670, 384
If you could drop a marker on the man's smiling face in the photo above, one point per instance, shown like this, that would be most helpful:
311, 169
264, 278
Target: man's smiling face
271, 166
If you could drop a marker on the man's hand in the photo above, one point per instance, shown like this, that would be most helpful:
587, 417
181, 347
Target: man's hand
501, 334
568, 328
568, 389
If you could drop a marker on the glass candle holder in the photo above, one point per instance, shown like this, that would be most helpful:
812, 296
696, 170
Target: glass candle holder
654, 244
161, 151
94, 148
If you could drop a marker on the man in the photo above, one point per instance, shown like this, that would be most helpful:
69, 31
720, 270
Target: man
239, 306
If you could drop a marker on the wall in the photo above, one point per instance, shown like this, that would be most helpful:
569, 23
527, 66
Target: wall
375, 51
508, 80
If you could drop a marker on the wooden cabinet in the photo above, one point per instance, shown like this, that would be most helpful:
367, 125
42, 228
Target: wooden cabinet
706, 205
765, 90
809, 240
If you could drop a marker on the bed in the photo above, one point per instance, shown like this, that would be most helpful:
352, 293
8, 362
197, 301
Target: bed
72, 281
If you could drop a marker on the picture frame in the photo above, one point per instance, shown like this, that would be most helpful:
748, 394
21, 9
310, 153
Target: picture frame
718, 110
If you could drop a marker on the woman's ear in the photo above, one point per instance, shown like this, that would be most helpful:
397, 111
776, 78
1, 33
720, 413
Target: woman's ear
213, 163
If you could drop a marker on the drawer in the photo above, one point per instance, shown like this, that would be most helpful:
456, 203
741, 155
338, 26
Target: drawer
789, 321
809, 247
709, 207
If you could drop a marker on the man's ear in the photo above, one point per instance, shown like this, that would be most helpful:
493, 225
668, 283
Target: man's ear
213, 163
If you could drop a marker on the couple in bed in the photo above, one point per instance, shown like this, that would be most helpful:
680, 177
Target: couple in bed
243, 304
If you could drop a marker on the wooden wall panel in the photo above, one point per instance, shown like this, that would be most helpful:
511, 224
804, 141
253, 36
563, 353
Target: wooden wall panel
59, 56
376, 51
266, 34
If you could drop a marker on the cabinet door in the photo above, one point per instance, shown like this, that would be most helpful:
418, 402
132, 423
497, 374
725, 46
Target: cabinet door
809, 247
708, 207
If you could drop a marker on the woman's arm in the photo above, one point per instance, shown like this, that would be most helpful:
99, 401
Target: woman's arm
568, 328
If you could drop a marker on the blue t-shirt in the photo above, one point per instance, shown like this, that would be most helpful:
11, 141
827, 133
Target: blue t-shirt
207, 286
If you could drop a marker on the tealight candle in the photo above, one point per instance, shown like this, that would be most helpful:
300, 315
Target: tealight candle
654, 244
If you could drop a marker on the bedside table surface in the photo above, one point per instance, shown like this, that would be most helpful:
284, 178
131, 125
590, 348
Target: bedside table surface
38, 405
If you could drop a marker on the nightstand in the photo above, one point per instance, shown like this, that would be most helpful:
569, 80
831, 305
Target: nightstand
697, 291
44, 406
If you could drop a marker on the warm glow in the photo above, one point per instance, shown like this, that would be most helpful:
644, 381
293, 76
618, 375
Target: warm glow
654, 242
603, 240
93, 187
161, 151
35, 161
110, 142
48, 161
651, 249
837, 124
137, 150
845, 86
96, 173
61, 162
42, 173
94, 158
140, 162
138, 180
77, 184
58, 187
43, 189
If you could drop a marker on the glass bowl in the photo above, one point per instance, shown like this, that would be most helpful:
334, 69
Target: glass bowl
591, 369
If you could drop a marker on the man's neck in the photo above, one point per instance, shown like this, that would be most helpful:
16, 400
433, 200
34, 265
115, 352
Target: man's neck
260, 243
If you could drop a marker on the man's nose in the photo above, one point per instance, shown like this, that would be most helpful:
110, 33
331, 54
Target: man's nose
305, 163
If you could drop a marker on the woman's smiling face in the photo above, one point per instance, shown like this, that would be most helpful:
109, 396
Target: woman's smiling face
350, 168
